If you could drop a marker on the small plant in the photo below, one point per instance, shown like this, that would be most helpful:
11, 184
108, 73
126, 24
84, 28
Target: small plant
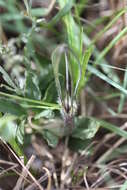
47, 64
68, 96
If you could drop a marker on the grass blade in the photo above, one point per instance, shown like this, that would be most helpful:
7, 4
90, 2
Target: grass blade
111, 44
123, 97
112, 128
7, 78
39, 102
106, 79
84, 64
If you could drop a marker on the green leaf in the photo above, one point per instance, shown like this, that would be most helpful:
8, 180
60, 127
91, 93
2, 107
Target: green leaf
86, 128
57, 54
78, 144
87, 41
84, 63
110, 24
41, 104
106, 79
11, 16
50, 138
123, 96
48, 114
7, 128
111, 44
32, 90
7, 78
57, 128
37, 12
81, 5
50, 94
8, 106
115, 129
56, 60
20, 132
73, 36
8, 132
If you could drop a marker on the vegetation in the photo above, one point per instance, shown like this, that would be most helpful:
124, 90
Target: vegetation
63, 94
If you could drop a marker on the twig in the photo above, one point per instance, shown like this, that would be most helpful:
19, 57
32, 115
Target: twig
24, 174
107, 138
31, 176
49, 178
51, 7
7, 162
33, 185
118, 143
86, 182
10, 168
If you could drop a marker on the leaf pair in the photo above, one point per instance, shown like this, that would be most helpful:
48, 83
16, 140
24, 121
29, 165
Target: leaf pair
83, 133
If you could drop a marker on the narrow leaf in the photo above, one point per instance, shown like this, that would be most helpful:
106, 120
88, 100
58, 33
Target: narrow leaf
113, 128
7, 78
32, 90
8, 106
84, 63
123, 96
106, 79
62, 13
111, 44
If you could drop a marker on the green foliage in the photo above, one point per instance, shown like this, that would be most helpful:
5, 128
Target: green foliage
51, 139
123, 96
7, 79
84, 64
111, 44
32, 90
48, 114
78, 144
56, 61
83, 133
86, 128
8, 132
8, 106
102, 76
8, 128
41, 90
